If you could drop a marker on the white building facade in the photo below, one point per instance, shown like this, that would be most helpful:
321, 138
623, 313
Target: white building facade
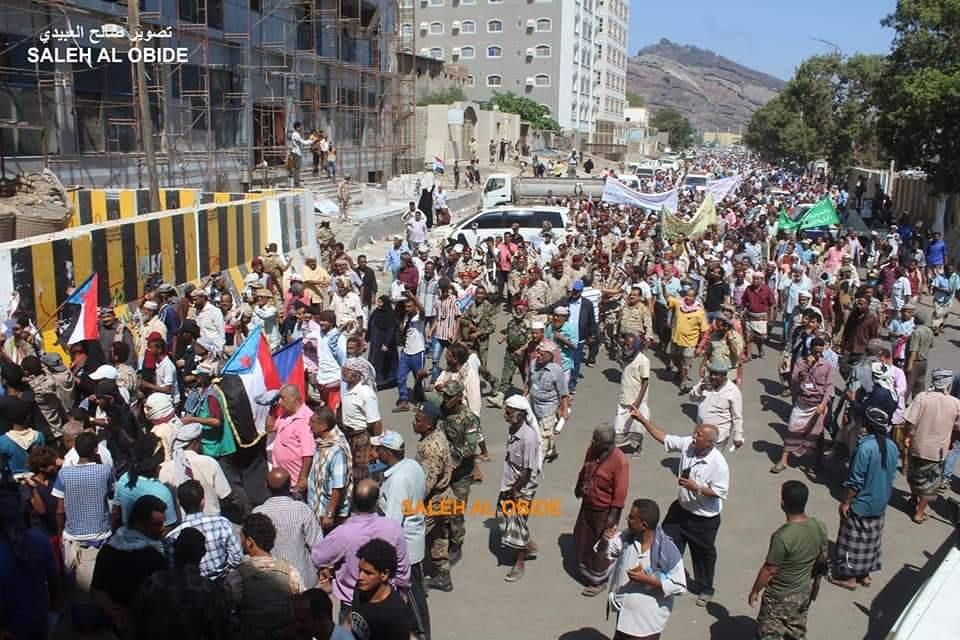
545, 50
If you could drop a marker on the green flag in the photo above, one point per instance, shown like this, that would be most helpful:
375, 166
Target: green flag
821, 214
785, 223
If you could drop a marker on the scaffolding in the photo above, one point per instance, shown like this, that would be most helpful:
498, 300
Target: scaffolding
330, 64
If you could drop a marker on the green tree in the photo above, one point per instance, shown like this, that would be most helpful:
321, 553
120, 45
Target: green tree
538, 115
446, 95
919, 97
635, 100
673, 122
826, 110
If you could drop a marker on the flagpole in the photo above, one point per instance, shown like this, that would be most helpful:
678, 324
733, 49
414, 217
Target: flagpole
56, 311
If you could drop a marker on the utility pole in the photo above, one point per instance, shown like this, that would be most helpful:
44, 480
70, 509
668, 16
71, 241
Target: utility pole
146, 124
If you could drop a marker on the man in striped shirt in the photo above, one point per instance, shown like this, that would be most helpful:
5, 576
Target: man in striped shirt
297, 527
445, 328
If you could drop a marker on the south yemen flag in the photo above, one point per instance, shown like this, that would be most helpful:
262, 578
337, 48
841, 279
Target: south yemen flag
248, 373
289, 364
83, 324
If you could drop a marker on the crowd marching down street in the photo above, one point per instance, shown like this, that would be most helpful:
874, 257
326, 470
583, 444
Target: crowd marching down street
222, 464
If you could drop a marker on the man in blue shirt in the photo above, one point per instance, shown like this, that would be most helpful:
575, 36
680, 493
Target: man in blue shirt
392, 261
936, 255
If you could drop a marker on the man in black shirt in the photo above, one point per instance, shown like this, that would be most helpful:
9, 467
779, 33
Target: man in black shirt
132, 555
717, 293
379, 612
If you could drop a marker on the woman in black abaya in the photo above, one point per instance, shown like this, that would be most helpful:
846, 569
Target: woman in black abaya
382, 334
426, 205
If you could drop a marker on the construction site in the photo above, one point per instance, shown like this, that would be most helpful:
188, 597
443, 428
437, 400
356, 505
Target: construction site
221, 120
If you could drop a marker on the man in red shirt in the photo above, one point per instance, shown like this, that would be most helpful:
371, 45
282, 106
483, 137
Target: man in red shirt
759, 305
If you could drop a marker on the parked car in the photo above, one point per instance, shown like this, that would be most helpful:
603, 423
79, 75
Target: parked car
492, 222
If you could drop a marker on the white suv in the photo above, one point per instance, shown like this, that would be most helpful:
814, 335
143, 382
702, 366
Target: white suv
493, 222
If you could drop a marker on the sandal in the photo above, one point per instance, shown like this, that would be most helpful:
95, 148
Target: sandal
593, 590
841, 583
778, 468
919, 520
514, 574
865, 581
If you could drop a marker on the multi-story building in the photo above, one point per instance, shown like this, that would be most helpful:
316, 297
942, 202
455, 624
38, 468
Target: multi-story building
540, 49
253, 68
610, 90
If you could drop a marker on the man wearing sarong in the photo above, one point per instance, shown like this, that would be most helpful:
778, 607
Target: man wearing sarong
633, 392
518, 485
812, 383
931, 419
759, 306
602, 488
867, 491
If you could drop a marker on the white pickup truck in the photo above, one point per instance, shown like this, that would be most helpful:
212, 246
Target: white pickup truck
503, 188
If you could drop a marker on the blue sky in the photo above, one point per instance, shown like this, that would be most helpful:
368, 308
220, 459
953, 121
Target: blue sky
772, 36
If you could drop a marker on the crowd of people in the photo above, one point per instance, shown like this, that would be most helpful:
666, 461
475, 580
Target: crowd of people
136, 500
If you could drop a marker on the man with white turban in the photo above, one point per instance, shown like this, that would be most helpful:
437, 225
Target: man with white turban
188, 463
163, 420
522, 468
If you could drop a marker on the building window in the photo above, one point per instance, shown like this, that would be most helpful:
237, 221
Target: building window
494, 52
468, 53
542, 80
407, 30
436, 53
544, 24
494, 81
494, 26
466, 2
471, 82
436, 28
468, 26
543, 51
494, 1
436, 3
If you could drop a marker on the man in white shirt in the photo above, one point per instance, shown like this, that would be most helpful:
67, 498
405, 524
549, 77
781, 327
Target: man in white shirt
297, 143
188, 463
694, 517
360, 414
209, 318
416, 231
648, 572
720, 404
165, 380
412, 345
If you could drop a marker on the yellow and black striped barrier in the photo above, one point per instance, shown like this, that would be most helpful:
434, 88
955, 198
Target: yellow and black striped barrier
126, 248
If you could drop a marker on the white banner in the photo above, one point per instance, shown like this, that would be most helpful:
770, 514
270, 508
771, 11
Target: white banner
615, 192
723, 187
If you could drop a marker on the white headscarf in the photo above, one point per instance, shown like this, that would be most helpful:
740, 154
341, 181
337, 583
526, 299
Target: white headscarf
520, 403
883, 376
187, 434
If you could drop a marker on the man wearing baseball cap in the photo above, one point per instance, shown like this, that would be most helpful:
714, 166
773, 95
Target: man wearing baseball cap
402, 495
549, 395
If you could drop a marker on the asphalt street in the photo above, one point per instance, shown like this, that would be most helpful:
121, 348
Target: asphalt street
546, 603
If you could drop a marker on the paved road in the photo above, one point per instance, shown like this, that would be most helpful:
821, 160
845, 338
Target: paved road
547, 604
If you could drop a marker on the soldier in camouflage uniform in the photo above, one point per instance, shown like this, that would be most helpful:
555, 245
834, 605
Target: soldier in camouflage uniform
634, 316
433, 454
462, 429
517, 335
477, 324
274, 265
325, 238
610, 302
558, 283
537, 294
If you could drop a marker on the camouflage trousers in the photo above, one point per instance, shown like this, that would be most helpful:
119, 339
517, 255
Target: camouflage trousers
461, 493
510, 366
438, 542
481, 347
611, 333
783, 617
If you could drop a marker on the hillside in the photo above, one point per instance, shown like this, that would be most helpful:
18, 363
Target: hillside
714, 93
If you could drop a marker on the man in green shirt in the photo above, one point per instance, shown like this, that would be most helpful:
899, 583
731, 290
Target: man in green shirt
786, 577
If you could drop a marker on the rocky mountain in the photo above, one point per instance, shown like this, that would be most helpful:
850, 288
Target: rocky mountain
714, 93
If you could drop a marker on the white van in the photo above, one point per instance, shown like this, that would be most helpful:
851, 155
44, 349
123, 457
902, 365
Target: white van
630, 180
492, 222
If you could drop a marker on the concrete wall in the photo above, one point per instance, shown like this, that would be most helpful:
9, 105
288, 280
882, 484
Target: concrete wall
181, 246
381, 226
